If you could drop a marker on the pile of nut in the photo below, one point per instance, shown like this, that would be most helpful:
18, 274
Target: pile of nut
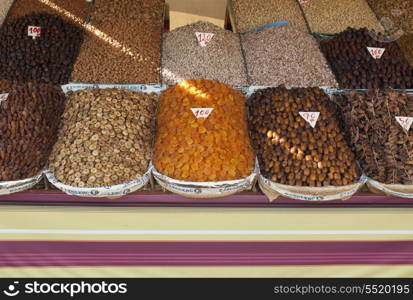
122, 43
250, 15
277, 56
48, 58
29, 120
194, 145
73, 10
333, 16
221, 60
383, 148
395, 14
355, 67
289, 150
105, 138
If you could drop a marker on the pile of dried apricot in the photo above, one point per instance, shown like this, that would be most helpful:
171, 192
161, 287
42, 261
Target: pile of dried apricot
202, 133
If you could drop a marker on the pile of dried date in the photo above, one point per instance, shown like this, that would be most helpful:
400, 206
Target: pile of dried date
29, 120
289, 150
382, 146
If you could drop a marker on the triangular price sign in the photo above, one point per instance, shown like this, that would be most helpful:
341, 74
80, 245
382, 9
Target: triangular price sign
311, 117
3, 97
405, 122
204, 38
34, 31
376, 53
202, 112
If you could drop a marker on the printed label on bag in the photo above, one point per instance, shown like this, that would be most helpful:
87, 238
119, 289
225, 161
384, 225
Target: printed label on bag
3, 97
34, 31
405, 122
311, 117
376, 53
204, 38
202, 112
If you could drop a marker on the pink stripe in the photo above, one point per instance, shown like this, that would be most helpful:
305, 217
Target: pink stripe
79, 253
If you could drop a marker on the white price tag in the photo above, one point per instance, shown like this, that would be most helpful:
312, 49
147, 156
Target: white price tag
303, 1
3, 97
376, 53
204, 38
202, 112
311, 117
34, 31
405, 122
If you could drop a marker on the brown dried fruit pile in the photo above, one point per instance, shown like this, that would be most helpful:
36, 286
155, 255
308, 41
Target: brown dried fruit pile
123, 43
355, 68
215, 148
250, 15
289, 150
73, 10
105, 138
29, 121
406, 43
383, 148
284, 55
46, 59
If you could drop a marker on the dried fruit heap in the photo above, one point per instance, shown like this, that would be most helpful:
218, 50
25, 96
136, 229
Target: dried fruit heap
29, 121
289, 150
46, 59
105, 138
383, 148
215, 148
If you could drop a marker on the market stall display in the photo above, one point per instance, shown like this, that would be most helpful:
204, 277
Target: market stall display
380, 138
105, 140
334, 16
46, 55
73, 10
4, 9
249, 15
360, 61
122, 43
202, 140
185, 57
276, 56
29, 119
299, 143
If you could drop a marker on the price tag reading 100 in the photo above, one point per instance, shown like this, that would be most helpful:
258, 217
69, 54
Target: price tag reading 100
34, 31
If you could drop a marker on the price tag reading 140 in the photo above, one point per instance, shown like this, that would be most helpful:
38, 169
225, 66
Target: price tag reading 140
311, 117
34, 31
202, 112
376, 53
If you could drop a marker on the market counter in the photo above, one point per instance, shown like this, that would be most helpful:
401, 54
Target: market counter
356, 240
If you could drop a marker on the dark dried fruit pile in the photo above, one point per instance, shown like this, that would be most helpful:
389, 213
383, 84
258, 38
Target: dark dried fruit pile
355, 68
46, 59
29, 121
289, 150
383, 148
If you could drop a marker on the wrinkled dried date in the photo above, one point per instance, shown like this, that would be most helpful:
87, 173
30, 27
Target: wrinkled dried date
383, 148
46, 59
355, 68
29, 121
289, 150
